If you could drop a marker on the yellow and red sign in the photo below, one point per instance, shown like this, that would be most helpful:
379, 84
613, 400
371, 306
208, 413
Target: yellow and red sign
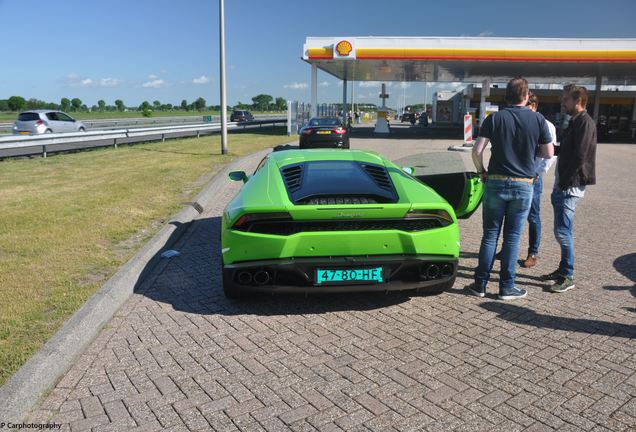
344, 49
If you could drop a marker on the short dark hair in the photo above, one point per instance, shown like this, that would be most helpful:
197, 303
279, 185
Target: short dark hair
516, 90
577, 92
533, 99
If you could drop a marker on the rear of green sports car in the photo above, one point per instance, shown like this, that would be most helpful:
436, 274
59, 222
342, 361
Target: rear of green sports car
336, 221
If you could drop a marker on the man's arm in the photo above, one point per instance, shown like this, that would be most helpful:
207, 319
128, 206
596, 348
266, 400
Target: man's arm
547, 139
478, 155
545, 151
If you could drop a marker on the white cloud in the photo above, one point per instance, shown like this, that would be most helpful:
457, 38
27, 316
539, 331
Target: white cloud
154, 83
485, 34
152, 77
377, 84
109, 82
324, 84
405, 85
296, 86
201, 80
86, 82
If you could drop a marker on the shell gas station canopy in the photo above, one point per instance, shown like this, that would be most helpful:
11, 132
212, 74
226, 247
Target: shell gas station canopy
474, 59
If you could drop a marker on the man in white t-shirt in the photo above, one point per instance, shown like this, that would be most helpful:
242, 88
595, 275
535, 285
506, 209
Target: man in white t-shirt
541, 166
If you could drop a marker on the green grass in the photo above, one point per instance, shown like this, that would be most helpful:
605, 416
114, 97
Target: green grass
11, 116
70, 221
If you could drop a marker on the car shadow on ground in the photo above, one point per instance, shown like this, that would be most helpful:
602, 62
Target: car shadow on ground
191, 282
625, 265
523, 315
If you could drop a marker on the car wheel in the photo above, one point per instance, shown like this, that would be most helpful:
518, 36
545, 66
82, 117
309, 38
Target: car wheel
230, 290
48, 131
82, 129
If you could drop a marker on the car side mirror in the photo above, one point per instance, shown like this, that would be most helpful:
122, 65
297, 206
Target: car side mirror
409, 170
238, 176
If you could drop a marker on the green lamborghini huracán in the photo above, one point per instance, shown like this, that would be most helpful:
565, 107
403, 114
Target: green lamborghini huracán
343, 220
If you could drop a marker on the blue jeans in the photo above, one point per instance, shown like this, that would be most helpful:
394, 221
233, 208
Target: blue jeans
534, 218
564, 206
505, 202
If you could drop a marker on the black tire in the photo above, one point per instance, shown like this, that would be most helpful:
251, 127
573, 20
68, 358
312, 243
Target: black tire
230, 290
48, 131
81, 129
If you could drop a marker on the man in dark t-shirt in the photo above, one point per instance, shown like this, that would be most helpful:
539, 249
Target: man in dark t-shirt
517, 135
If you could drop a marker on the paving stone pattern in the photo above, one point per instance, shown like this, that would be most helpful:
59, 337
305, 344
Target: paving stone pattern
178, 356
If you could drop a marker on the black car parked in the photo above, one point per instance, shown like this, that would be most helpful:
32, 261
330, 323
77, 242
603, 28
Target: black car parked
241, 116
324, 132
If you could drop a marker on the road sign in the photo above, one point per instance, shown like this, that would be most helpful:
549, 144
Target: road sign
468, 128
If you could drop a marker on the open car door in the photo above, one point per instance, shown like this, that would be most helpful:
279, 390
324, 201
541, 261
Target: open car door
462, 190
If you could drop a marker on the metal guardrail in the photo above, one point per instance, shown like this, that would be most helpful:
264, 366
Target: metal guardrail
46, 141
95, 123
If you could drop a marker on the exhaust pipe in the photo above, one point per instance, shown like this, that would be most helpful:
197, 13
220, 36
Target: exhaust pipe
261, 277
447, 270
432, 272
245, 278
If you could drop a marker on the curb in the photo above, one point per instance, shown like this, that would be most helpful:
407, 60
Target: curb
23, 391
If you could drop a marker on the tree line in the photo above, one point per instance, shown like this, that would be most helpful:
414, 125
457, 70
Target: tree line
261, 102
18, 103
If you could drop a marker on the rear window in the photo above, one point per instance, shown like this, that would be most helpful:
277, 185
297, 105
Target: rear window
28, 116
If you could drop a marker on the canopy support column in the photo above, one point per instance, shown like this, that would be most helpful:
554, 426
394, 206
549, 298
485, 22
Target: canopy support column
314, 90
345, 110
485, 92
597, 97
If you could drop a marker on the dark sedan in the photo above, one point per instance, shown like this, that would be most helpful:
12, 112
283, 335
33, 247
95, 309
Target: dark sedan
324, 132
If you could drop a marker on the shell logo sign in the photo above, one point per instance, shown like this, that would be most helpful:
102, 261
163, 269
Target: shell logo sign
344, 50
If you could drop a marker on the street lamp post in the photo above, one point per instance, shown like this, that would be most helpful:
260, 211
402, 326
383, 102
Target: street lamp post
222, 74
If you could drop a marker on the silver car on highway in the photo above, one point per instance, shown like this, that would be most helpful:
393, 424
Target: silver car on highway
46, 121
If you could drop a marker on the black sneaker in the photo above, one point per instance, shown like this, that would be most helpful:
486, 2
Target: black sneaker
554, 276
498, 255
475, 290
512, 294
562, 286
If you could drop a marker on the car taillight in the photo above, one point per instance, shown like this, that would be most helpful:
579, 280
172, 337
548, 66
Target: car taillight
308, 131
441, 215
243, 223
39, 123
340, 131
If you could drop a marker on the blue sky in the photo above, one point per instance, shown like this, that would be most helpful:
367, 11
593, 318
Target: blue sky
138, 50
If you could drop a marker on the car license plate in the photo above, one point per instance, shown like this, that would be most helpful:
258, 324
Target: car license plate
323, 132
345, 276
24, 133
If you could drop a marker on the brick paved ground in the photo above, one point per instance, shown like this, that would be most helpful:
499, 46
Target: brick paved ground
178, 356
